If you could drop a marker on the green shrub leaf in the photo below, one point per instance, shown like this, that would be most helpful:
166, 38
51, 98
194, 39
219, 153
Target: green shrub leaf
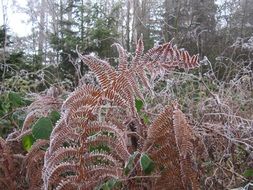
54, 116
146, 119
27, 142
147, 164
42, 128
15, 99
130, 164
108, 185
248, 172
138, 104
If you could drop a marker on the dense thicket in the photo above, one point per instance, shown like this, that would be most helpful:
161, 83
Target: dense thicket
211, 29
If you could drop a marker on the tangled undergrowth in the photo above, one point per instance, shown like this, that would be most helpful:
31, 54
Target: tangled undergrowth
127, 129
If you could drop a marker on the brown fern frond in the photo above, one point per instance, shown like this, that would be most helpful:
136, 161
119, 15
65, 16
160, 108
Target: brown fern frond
31, 116
119, 92
162, 124
106, 116
53, 177
59, 140
61, 134
161, 146
142, 75
7, 174
123, 64
96, 173
167, 52
34, 150
100, 157
153, 54
104, 72
183, 133
138, 52
184, 139
171, 137
134, 85
161, 154
68, 184
44, 104
80, 92
169, 179
60, 155
168, 57
81, 108
34, 166
20, 135
115, 144
96, 128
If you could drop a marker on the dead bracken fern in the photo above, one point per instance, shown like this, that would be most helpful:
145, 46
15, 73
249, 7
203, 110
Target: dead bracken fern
103, 140
20, 169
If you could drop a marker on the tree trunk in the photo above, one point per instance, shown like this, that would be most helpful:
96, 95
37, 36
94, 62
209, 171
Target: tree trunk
41, 38
128, 26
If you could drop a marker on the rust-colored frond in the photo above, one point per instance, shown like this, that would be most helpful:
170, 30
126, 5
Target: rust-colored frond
162, 124
161, 154
60, 155
31, 116
68, 184
167, 52
121, 93
170, 137
104, 72
114, 143
62, 138
184, 139
61, 134
79, 93
134, 85
183, 133
142, 75
98, 172
169, 179
101, 134
99, 158
45, 103
41, 107
20, 135
138, 52
53, 177
154, 54
40, 143
123, 64
34, 166
99, 128
7, 173
81, 107
167, 57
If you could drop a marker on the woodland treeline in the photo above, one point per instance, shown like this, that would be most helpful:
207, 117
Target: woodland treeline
212, 29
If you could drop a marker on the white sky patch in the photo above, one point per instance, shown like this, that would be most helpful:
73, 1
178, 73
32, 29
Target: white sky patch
17, 22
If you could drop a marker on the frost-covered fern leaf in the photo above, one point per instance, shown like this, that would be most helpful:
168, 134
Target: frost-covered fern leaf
170, 137
122, 85
184, 139
42, 106
100, 135
7, 167
95, 164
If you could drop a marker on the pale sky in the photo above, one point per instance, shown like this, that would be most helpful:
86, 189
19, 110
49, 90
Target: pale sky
16, 21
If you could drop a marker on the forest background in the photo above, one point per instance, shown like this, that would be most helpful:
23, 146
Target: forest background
217, 31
